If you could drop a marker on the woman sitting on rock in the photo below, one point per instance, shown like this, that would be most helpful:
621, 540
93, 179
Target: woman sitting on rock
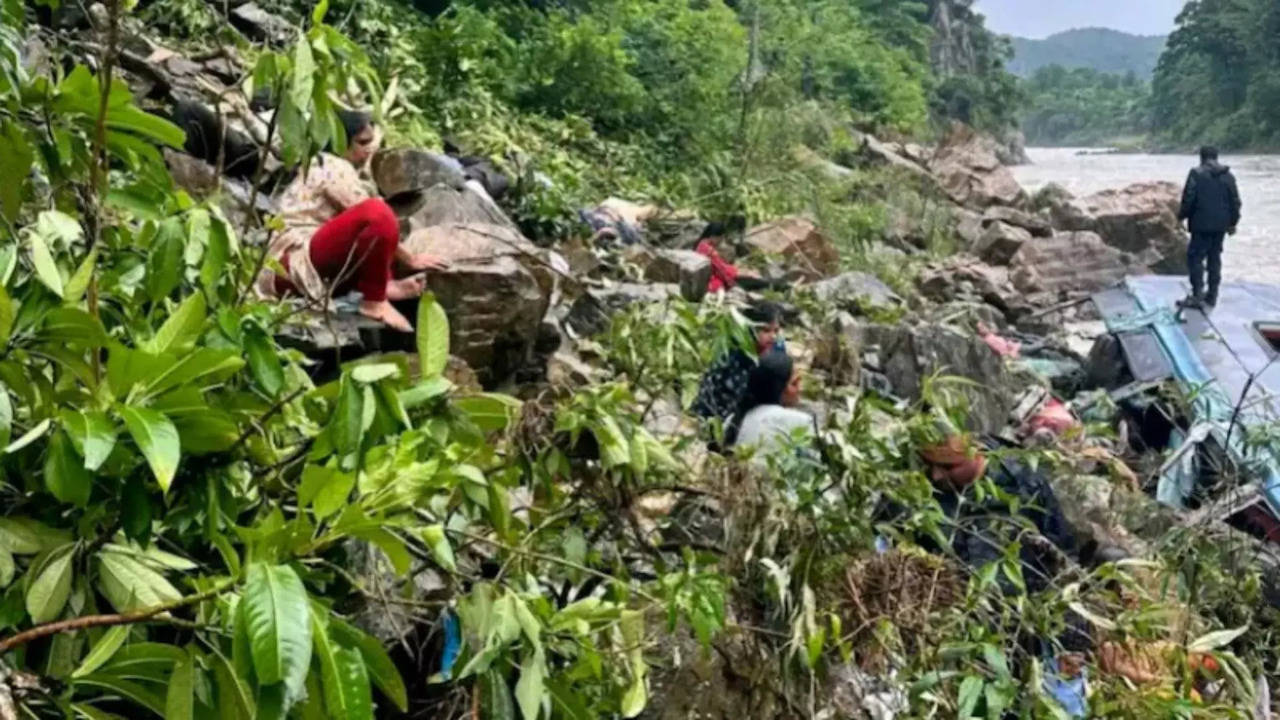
339, 238
767, 419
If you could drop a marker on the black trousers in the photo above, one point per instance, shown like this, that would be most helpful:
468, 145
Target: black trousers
1205, 246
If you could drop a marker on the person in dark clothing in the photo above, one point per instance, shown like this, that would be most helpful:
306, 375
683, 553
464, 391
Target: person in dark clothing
1211, 208
721, 389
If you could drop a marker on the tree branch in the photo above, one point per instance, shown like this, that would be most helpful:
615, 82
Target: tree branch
93, 621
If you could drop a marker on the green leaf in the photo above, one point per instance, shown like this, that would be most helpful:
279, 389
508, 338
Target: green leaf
497, 697
347, 693
143, 123
180, 332
441, 550
164, 262
198, 221
130, 585
970, 693
1214, 640
6, 416
134, 692
31, 436
489, 411
106, 647
391, 545
530, 688
135, 510
46, 268
278, 622
424, 392
369, 374
347, 424
377, 662
216, 254
304, 71
7, 567
16, 158
433, 337
73, 326
49, 592
79, 282
235, 699
92, 433
333, 495
634, 700
317, 15
180, 699
64, 473
25, 536
90, 712
8, 313
158, 440
264, 362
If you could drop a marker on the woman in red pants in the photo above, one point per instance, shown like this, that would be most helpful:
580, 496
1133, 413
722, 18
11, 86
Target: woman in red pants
339, 238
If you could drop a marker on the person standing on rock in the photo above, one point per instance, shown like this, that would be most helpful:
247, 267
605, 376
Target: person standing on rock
1211, 208
338, 237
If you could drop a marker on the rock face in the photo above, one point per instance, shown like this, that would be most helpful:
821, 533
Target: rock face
807, 250
968, 169
496, 292
1013, 148
964, 277
591, 313
444, 205
1141, 220
408, 170
200, 179
258, 24
908, 356
1072, 262
1037, 225
688, 269
1000, 242
854, 288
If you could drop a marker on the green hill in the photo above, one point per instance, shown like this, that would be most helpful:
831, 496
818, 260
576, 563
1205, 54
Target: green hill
1108, 51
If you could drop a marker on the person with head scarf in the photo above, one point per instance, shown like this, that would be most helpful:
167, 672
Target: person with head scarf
767, 418
339, 238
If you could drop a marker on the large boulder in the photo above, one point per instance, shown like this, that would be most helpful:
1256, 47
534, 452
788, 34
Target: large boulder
258, 24
1013, 148
963, 277
446, 205
910, 356
808, 252
1000, 242
594, 309
411, 170
496, 293
1036, 224
686, 268
853, 289
968, 169
200, 179
1141, 219
1067, 263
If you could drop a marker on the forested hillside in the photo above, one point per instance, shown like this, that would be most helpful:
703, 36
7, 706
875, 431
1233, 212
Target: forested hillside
1100, 49
1219, 79
1080, 107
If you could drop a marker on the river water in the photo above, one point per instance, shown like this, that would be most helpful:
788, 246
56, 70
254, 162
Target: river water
1252, 255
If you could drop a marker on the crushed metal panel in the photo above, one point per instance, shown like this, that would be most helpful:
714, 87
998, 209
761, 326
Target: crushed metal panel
1146, 358
1114, 303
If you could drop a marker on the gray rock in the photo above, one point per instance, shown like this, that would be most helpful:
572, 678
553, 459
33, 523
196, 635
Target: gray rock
855, 288
258, 24
594, 309
968, 169
1037, 225
496, 293
1000, 242
410, 170
909, 356
688, 269
200, 180
804, 247
445, 205
1051, 196
1073, 262
1141, 220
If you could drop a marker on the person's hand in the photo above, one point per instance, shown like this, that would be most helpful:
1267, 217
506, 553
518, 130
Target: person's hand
1231, 230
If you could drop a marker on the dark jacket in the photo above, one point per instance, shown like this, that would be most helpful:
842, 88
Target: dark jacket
1210, 201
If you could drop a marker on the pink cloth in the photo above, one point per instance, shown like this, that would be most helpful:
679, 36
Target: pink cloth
723, 273
1001, 346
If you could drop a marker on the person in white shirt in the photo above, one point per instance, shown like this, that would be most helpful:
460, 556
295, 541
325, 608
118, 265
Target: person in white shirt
767, 419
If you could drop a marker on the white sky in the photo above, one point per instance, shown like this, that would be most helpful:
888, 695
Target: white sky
1039, 18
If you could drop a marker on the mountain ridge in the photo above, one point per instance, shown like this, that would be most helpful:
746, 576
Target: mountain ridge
1098, 48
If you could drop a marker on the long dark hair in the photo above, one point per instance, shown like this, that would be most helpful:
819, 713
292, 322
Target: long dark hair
765, 386
354, 121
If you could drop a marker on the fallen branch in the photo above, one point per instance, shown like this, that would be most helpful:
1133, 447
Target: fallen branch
94, 621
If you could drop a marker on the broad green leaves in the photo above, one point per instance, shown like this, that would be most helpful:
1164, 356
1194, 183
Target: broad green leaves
263, 360
180, 697
129, 584
16, 157
433, 337
347, 693
180, 331
52, 586
277, 618
45, 267
102, 651
378, 664
64, 472
158, 440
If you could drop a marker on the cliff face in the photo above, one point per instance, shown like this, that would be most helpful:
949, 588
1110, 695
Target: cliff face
953, 49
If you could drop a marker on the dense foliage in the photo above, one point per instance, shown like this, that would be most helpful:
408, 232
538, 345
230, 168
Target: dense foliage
1100, 49
1080, 107
1218, 81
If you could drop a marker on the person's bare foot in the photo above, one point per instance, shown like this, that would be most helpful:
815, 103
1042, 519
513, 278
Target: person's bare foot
426, 261
406, 288
384, 312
